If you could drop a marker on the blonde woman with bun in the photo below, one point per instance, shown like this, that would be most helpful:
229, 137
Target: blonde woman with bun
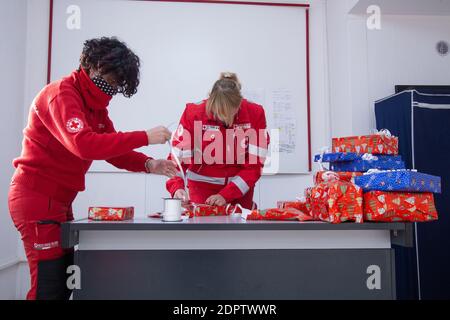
221, 143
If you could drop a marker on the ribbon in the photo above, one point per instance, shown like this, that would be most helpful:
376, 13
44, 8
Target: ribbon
177, 160
322, 150
373, 171
329, 176
369, 157
383, 132
245, 212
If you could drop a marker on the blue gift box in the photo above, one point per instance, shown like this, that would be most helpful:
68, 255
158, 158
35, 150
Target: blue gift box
350, 156
402, 180
390, 163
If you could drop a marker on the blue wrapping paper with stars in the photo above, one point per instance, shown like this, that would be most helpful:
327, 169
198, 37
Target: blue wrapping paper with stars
402, 180
350, 156
366, 165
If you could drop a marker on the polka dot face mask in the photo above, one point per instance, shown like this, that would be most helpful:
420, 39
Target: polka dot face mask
104, 86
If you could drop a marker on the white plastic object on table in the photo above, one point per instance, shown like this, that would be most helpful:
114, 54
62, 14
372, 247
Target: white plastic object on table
172, 210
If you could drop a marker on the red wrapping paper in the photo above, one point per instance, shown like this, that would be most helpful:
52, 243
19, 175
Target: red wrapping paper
303, 206
205, 210
375, 144
287, 214
336, 202
321, 176
111, 213
399, 206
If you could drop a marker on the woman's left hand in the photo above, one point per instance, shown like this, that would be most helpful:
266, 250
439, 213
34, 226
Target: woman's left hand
216, 200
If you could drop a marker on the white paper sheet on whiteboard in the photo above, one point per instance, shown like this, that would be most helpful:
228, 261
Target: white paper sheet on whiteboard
284, 120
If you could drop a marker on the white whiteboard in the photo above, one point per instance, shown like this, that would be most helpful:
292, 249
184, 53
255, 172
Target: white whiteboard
183, 48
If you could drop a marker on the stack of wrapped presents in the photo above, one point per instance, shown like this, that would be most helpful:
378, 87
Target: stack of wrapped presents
368, 181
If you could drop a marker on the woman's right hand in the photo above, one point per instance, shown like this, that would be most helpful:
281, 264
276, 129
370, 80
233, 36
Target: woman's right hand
158, 135
181, 194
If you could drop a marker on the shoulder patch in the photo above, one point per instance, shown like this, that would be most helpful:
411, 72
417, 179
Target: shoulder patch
74, 125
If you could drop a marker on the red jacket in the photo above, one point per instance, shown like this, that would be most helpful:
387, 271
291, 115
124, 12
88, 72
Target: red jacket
68, 127
229, 166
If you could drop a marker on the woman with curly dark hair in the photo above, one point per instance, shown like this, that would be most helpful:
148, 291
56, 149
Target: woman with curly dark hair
68, 127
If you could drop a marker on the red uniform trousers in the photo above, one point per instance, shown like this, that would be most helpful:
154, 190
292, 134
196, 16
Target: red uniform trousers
38, 217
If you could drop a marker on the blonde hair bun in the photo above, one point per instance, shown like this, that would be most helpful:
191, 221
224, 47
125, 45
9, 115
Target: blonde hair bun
230, 76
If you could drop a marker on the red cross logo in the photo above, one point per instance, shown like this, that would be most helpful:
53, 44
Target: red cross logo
74, 125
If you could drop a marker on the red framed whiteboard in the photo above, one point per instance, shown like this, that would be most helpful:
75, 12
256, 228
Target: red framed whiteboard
256, 3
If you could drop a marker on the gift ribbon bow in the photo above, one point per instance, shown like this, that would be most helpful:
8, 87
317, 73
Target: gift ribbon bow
383, 132
322, 151
369, 157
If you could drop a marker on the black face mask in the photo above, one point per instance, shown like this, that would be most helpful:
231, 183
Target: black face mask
104, 86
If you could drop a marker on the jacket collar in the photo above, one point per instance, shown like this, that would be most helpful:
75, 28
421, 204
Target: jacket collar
94, 98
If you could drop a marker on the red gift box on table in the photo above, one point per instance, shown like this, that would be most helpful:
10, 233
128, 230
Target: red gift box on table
323, 176
111, 213
302, 205
205, 210
287, 214
399, 206
337, 201
374, 144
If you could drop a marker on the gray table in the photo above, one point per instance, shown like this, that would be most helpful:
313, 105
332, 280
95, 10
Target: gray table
230, 258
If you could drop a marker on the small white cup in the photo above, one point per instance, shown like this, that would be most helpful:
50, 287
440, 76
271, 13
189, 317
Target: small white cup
172, 210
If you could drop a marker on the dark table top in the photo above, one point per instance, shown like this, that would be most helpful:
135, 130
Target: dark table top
224, 223
401, 232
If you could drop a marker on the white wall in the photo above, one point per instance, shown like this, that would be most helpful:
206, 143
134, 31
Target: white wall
404, 52
366, 64
13, 19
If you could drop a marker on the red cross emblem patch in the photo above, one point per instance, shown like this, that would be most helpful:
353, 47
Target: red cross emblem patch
74, 125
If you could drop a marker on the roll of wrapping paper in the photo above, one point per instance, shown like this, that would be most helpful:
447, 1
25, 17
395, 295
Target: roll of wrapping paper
287, 214
195, 210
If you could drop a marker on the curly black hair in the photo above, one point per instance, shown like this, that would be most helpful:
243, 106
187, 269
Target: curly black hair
111, 56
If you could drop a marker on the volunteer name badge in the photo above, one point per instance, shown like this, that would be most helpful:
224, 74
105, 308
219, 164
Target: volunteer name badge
207, 127
242, 126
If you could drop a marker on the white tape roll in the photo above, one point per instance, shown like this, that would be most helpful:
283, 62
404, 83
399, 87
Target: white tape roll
172, 210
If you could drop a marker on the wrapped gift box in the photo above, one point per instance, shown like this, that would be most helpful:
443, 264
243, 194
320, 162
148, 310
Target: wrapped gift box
207, 210
111, 213
337, 201
303, 205
308, 196
374, 144
287, 214
366, 165
401, 180
322, 176
399, 206
349, 156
